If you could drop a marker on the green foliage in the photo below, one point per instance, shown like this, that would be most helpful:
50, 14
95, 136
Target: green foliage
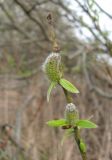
85, 124
78, 123
68, 86
57, 123
52, 85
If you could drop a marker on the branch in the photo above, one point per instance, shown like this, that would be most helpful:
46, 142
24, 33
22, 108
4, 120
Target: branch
37, 3
16, 26
92, 87
77, 19
101, 9
19, 114
76, 130
32, 18
92, 19
101, 93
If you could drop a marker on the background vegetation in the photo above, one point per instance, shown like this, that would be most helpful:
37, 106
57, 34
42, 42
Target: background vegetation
24, 44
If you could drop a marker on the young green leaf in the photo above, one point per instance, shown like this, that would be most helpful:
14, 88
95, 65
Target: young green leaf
68, 86
85, 124
52, 85
57, 123
82, 146
67, 133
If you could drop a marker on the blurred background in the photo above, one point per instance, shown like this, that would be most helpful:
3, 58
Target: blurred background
83, 30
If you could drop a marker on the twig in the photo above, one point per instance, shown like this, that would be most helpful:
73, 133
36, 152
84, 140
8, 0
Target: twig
19, 115
19, 121
76, 130
68, 97
92, 87
37, 3
101, 9
32, 18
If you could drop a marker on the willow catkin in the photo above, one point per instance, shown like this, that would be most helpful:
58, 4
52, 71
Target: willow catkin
71, 113
53, 67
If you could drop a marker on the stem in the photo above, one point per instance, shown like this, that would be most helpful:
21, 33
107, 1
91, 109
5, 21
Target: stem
68, 96
56, 47
77, 139
69, 99
76, 130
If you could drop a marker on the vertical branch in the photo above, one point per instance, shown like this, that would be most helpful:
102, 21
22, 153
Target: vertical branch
69, 99
76, 130
56, 47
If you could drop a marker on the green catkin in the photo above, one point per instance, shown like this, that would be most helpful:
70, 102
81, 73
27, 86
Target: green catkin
71, 114
53, 67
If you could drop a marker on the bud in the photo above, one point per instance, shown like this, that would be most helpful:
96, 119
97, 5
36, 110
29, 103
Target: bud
53, 67
71, 114
82, 146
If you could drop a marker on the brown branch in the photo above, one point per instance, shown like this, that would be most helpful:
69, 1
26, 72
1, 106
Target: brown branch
32, 18
37, 3
92, 87
92, 18
77, 19
17, 27
96, 26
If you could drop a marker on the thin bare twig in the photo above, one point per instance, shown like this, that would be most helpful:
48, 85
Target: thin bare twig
32, 18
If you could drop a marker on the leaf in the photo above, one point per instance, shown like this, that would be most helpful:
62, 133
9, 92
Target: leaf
85, 124
67, 133
68, 86
52, 85
57, 123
